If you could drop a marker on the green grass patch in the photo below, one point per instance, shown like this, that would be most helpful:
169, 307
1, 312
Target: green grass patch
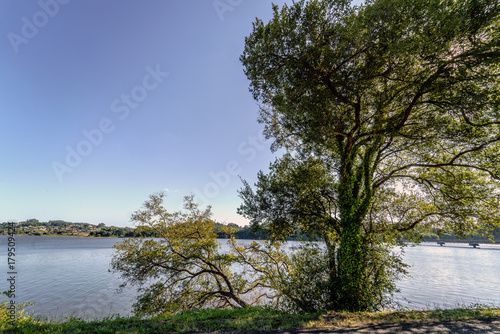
249, 319
346, 319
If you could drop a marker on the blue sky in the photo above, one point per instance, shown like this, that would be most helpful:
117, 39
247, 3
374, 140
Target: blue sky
105, 102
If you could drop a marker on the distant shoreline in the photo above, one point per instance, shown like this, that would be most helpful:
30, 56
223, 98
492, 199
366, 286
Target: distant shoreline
447, 243
58, 228
66, 235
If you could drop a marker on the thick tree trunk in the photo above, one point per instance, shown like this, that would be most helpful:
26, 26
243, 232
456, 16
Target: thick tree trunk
351, 270
355, 195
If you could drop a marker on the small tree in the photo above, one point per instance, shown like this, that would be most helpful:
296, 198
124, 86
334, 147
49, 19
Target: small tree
184, 268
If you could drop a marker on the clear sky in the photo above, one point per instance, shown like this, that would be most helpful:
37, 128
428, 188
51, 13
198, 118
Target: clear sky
105, 102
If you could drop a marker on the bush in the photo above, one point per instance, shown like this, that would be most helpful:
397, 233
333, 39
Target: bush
6, 321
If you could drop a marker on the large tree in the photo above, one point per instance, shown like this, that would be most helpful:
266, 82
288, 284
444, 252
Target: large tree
389, 116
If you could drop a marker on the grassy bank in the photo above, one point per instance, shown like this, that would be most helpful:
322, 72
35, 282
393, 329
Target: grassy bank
251, 319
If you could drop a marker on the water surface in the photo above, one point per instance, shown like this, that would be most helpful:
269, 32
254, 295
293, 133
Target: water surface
70, 276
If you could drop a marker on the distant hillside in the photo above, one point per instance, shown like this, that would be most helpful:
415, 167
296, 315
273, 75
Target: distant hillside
453, 238
64, 228
61, 227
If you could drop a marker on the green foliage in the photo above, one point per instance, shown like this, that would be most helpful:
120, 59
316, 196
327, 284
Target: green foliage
305, 286
252, 234
184, 268
294, 191
6, 321
293, 279
389, 116
251, 319
197, 320
219, 229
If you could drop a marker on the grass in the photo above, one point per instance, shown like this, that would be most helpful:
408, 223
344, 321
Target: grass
345, 319
250, 319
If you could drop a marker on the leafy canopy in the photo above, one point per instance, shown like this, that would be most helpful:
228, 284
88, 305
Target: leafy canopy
396, 100
389, 116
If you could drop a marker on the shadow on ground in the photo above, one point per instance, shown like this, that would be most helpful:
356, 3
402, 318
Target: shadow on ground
455, 327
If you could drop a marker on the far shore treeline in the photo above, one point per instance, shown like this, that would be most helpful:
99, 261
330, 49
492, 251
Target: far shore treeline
63, 228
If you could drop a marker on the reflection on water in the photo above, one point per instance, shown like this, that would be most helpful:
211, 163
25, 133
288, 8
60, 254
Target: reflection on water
69, 276
455, 274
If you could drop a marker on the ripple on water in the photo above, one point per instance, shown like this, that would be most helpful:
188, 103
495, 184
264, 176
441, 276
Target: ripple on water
69, 276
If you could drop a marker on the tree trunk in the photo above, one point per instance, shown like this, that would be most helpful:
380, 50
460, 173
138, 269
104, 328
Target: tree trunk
351, 270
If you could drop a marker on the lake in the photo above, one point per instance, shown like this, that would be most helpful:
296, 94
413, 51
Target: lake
69, 276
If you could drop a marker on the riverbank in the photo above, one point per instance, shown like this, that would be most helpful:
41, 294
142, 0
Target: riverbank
261, 319
33, 227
